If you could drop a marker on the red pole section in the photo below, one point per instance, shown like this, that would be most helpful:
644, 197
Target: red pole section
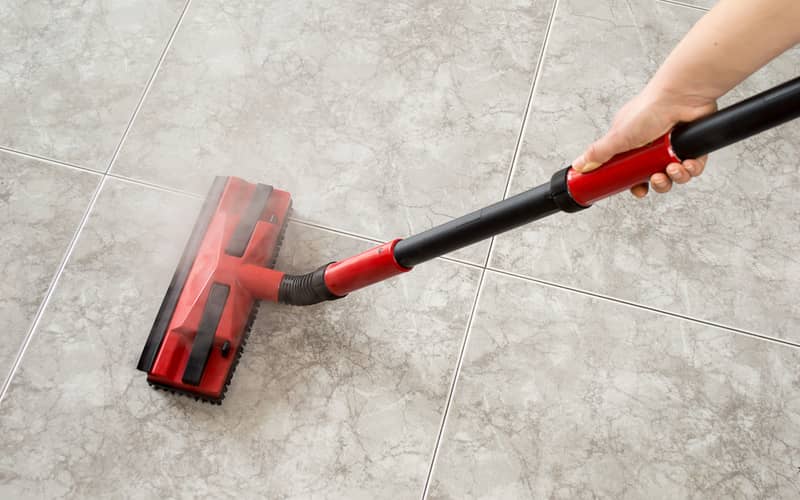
621, 172
364, 269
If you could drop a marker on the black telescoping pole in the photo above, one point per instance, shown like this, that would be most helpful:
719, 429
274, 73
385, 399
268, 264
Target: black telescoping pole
689, 140
502, 216
739, 121
476, 226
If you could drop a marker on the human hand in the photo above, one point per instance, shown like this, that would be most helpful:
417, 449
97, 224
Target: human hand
644, 118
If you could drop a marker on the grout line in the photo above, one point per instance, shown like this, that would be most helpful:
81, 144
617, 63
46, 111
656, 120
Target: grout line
118, 177
683, 4
45, 159
87, 213
51, 288
453, 384
190, 194
537, 72
635, 305
148, 86
87, 170
515, 157
369, 239
323, 227
157, 187
462, 262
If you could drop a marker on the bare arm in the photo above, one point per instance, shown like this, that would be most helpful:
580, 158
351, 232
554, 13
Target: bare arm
727, 45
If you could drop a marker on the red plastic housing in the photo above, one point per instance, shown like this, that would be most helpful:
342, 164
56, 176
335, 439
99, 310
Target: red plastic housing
621, 172
364, 269
246, 276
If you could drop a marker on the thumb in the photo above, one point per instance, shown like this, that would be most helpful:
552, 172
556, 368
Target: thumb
599, 152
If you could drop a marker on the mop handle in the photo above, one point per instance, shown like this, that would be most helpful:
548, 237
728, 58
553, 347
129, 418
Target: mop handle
568, 190
688, 140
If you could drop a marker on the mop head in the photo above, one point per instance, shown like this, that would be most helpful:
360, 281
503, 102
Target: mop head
203, 323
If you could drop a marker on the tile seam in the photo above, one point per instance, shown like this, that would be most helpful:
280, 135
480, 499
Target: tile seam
537, 72
636, 305
468, 329
44, 159
453, 385
50, 289
84, 217
685, 5
189, 194
148, 86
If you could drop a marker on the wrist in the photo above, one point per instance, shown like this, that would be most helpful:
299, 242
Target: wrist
676, 100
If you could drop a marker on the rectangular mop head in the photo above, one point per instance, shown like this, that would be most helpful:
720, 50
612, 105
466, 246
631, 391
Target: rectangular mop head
206, 315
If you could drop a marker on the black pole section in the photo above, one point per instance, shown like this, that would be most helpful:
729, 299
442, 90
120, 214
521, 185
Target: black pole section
689, 140
479, 225
739, 121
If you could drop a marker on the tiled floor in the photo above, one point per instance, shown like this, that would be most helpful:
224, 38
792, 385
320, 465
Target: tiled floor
636, 350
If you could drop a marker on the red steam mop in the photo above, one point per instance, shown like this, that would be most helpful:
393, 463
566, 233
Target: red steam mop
227, 265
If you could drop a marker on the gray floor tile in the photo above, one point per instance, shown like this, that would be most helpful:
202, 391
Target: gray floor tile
565, 396
341, 400
721, 248
381, 120
73, 72
40, 207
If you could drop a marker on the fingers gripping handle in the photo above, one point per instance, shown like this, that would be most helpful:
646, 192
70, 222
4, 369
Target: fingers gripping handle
621, 172
688, 140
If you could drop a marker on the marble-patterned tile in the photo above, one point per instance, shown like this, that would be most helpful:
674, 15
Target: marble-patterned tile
721, 248
566, 396
72, 73
341, 400
382, 120
40, 207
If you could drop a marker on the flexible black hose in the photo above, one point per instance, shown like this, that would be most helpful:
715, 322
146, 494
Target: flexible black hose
305, 289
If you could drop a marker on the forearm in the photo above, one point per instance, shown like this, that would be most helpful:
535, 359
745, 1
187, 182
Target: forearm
728, 44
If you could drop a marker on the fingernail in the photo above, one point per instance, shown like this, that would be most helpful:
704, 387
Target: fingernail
673, 171
659, 182
581, 165
588, 166
591, 165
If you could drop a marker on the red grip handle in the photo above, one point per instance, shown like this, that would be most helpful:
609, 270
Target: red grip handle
621, 172
369, 267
